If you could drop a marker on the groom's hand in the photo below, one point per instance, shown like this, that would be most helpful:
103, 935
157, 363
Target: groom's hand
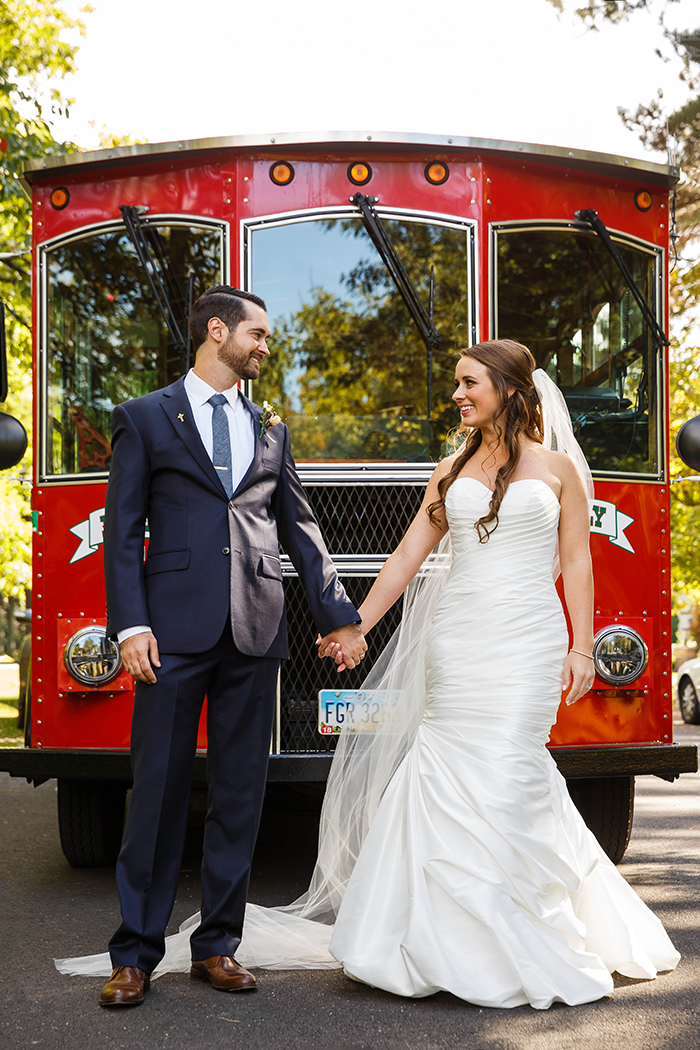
140, 656
346, 645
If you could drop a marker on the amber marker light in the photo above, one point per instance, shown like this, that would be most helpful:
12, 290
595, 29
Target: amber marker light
643, 200
359, 173
437, 173
282, 173
60, 198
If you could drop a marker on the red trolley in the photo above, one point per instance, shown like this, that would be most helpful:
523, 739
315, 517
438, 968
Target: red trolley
379, 255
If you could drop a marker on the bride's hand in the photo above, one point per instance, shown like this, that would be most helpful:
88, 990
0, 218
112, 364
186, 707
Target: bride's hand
578, 677
345, 645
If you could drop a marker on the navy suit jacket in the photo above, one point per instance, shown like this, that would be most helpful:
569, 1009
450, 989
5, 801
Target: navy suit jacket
208, 558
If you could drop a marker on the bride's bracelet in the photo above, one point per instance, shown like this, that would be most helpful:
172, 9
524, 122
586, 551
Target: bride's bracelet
587, 655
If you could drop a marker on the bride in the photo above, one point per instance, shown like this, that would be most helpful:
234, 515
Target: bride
450, 854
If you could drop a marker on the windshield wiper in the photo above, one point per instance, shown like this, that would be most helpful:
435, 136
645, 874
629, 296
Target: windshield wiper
590, 215
422, 318
152, 257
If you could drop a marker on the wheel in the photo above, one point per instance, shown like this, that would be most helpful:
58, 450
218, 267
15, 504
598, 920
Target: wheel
90, 821
607, 806
688, 701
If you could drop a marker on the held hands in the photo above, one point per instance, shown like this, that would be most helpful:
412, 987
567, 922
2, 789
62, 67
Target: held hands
346, 645
578, 676
140, 656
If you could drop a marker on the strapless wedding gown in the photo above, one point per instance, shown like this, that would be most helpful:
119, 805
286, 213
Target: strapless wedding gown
478, 875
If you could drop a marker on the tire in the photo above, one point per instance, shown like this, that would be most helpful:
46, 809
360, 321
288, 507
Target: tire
607, 806
688, 701
90, 821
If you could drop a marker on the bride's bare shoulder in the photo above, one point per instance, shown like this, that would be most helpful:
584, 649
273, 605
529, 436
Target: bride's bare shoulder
445, 465
559, 465
553, 468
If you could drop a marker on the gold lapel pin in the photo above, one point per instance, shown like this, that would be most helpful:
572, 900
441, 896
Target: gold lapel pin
181, 417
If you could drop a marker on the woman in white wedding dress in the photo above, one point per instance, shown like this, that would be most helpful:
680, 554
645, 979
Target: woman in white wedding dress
478, 876
450, 855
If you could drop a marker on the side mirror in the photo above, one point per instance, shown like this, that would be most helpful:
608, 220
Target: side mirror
13, 436
13, 441
688, 443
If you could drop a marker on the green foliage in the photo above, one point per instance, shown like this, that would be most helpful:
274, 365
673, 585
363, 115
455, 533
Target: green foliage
685, 403
33, 56
677, 133
15, 484
596, 11
108, 140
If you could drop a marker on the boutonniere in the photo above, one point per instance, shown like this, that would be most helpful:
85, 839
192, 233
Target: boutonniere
269, 418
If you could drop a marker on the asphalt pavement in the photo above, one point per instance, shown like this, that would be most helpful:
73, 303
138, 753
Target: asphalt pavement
49, 909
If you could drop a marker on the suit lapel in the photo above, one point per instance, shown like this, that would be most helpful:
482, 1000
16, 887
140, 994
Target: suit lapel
260, 443
177, 408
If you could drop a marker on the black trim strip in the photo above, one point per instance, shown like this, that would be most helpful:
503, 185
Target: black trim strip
662, 760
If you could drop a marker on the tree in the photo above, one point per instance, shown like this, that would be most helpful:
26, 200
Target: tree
678, 132
33, 57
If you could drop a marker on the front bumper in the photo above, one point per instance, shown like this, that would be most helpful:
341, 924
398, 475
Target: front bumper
662, 760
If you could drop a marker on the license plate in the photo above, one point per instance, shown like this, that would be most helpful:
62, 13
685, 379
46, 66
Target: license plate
338, 708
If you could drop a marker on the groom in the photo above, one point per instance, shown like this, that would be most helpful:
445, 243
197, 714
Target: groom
204, 615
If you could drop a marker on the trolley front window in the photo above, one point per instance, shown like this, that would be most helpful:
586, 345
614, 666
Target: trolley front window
106, 340
560, 293
348, 369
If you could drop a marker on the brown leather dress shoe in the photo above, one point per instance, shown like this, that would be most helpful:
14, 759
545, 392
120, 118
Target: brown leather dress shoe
126, 987
224, 974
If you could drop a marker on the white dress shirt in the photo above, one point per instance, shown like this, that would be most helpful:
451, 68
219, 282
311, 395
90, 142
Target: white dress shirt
241, 430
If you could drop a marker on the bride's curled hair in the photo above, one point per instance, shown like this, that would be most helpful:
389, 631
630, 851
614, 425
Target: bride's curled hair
510, 366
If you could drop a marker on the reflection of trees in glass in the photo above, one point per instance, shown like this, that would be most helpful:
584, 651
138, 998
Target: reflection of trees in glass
349, 371
107, 339
560, 293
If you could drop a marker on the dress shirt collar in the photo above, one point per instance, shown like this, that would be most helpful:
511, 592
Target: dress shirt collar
200, 392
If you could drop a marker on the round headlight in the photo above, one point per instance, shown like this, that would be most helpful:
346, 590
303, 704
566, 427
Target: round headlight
91, 657
620, 654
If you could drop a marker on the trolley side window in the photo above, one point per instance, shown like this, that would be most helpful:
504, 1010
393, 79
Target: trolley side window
560, 293
106, 340
348, 370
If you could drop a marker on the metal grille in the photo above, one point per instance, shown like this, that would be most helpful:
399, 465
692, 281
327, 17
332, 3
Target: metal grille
364, 519
304, 674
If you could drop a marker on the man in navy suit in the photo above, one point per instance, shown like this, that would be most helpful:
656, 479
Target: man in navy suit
204, 615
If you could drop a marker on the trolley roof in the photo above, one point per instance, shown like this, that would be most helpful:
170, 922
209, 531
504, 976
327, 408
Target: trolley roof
342, 141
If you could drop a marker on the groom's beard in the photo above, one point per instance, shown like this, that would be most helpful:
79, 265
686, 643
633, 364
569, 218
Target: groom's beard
244, 363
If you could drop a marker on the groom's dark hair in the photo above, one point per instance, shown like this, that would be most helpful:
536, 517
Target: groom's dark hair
224, 302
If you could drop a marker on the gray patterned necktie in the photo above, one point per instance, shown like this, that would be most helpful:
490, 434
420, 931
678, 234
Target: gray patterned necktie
222, 442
